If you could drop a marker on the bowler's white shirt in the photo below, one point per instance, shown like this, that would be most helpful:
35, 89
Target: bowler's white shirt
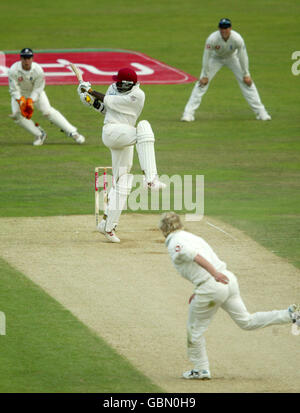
28, 83
216, 46
123, 107
183, 247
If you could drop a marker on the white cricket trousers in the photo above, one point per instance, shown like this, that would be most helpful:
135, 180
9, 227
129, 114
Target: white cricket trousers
120, 139
53, 115
215, 64
210, 296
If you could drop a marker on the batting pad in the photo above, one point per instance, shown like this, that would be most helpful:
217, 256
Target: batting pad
145, 149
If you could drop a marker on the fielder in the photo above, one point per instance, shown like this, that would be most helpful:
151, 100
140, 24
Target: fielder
122, 105
26, 87
225, 47
215, 287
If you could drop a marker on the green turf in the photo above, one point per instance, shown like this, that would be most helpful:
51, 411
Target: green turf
251, 168
47, 350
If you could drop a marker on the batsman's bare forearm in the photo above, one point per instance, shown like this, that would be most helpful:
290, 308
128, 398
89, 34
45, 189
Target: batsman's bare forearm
97, 95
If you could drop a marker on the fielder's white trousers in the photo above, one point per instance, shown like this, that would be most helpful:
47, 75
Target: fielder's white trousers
215, 64
43, 105
210, 297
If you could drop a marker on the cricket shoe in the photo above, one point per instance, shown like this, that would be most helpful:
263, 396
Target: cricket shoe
40, 139
78, 138
197, 375
155, 185
263, 116
110, 236
187, 118
294, 311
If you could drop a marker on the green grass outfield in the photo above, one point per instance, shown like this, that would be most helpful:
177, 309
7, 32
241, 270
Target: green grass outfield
251, 168
46, 349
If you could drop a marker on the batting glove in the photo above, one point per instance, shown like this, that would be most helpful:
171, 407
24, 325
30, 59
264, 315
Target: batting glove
83, 87
99, 106
86, 99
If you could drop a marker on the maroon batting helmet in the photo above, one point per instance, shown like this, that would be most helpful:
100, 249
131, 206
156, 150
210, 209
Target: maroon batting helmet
127, 74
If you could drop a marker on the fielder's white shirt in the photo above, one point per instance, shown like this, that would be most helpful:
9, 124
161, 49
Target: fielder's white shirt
183, 247
216, 46
28, 83
123, 107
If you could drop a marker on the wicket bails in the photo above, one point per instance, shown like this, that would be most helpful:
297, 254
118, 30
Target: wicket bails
105, 194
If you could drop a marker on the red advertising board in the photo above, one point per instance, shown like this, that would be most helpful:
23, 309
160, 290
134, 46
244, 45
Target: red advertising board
97, 66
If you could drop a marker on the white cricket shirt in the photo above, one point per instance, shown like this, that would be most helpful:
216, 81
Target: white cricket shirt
123, 107
216, 46
183, 247
28, 83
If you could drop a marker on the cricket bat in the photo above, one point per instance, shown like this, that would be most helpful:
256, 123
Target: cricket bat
78, 74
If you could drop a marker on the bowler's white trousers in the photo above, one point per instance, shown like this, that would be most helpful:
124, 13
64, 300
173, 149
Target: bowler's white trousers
209, 297
215, 64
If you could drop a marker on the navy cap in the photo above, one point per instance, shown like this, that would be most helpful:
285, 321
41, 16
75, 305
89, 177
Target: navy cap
26, 52
224, 23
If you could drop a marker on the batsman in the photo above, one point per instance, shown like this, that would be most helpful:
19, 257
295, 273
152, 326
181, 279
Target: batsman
122, 105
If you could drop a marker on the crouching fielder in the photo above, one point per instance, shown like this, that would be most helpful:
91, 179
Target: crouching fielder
122, 105
215, 287
26, 87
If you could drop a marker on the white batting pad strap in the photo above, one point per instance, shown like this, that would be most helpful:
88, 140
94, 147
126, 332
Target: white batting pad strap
117, 200
59, 120
145, 149
29, 125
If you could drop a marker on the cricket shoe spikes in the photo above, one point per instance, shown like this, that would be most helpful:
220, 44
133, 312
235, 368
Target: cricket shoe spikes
197, 375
